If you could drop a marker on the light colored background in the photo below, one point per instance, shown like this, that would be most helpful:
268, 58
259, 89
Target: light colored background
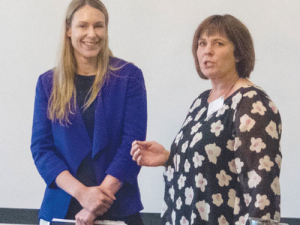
156, 35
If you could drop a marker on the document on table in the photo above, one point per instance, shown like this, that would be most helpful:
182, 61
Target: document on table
97, 222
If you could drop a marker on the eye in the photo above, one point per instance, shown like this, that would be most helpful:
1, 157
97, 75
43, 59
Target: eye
219, 43
201, 43
82, 25
99, 25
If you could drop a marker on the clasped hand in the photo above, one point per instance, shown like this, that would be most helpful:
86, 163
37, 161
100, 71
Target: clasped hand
95, 202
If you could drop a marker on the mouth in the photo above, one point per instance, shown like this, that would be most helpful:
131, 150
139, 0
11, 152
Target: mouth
208, 63
90, 43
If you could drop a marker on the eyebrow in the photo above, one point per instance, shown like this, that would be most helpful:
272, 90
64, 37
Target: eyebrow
216, 39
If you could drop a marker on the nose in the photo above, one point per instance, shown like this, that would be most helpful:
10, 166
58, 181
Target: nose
91, 32
208, 50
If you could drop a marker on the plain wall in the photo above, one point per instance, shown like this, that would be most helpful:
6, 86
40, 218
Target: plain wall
156, 35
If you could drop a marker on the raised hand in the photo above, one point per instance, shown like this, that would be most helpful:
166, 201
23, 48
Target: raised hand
149, 153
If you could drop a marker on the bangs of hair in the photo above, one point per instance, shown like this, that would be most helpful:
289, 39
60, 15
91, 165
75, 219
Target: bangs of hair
213, 26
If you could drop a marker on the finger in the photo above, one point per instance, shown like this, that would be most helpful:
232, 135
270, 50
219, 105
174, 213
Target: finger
144, 144
108, 197
136, 155
134, 149
139, 160
133, 143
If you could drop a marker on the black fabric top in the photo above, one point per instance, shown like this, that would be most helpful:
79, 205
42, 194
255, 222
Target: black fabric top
83, 84
85, 173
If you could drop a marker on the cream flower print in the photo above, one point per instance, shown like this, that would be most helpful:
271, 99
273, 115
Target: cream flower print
199, 114
212, 151
222, 110
195, 128
265, 163
272, 130
277, 215
257, 144
217, 199
189, 119
231, 200
164, 208
230, 145
273, 107
239, 165
223, 178
278, 160
187, 166
235, 100
259, 108
254, 179
237, 143
203, 209
196, 138
184, 146
242, 220
232, 166
248, 199
193, 217
276, 186
176, 160
222, 220
178, 203
169, 173
196, 104
216, 128
173, 217
261, 201
172, 193
280, 128
236, 210
184, 221
189, 195
201, 182
178, 137
181, 181
197, 159
266, 217
247, 123
250, 94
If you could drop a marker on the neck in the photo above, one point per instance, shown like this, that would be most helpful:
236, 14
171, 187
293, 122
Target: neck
222, 86
87, 67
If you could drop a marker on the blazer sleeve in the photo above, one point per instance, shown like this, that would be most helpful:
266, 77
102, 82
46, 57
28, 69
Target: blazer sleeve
134, 128
48, 163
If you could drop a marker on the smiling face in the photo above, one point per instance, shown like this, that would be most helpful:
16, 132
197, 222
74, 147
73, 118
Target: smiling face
87, 33
215, 55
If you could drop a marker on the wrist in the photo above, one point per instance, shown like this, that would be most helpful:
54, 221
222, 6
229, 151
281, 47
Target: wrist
79, 192
166, 157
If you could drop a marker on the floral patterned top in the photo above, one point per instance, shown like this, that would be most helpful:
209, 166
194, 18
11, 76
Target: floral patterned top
225, 168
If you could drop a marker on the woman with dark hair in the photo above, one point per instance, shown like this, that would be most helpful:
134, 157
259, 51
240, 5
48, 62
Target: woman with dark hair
224, 163
88, 110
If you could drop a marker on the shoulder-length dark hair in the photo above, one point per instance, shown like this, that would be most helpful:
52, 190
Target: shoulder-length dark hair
237, 33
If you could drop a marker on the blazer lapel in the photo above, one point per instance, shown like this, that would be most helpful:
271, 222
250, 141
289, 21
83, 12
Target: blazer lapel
100, 128
79, 125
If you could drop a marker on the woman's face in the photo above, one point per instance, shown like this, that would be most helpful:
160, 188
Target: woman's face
87, 33
216, 56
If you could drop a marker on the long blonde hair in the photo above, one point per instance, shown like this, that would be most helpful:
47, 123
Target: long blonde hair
63, 92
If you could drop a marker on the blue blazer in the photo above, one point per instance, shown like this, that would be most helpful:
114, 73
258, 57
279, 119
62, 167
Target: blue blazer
120, 118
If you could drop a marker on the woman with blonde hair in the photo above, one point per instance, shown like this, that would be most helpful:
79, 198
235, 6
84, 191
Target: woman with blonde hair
88, 110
